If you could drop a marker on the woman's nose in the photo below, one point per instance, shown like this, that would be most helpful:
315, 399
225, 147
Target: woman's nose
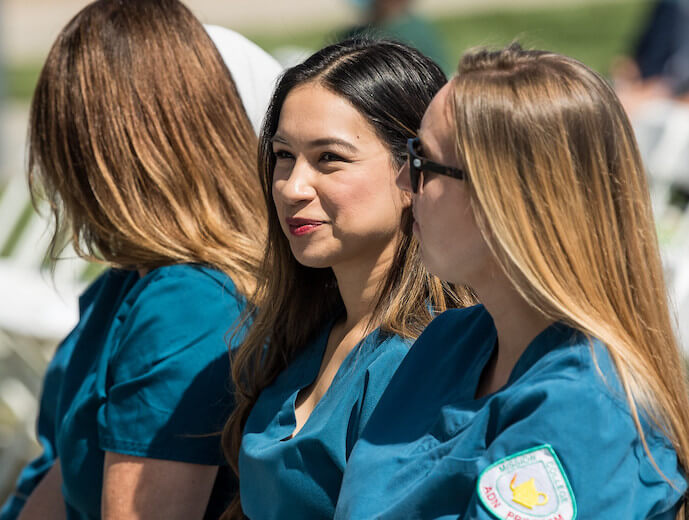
297, 185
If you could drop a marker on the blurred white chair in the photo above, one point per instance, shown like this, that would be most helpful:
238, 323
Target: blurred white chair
19, 391
20, 444
34, 303
253, 70
679, 298
662, 131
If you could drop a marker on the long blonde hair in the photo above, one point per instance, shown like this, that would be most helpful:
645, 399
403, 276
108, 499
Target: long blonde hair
140, 142
391, 85
559, 190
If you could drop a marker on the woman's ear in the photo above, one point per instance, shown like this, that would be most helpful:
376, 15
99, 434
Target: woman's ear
405, 197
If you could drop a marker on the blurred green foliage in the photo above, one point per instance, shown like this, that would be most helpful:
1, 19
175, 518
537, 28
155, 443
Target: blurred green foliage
593, 32
21, 79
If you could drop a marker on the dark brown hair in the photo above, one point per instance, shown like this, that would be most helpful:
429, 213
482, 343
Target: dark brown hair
139, 141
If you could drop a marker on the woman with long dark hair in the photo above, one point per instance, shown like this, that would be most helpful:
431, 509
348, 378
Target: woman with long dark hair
143, 148
343, 291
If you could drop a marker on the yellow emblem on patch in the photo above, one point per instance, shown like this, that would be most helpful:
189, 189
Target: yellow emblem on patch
525, 494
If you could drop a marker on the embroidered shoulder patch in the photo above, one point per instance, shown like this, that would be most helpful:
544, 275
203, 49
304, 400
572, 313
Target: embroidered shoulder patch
529, 485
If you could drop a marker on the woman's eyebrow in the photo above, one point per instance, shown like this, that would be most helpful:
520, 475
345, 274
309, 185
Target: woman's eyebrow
277, 138
322, 141
328, 141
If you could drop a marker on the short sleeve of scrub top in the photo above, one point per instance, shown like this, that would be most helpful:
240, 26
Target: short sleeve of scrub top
145, 373
159, 402
557, 442
285, 476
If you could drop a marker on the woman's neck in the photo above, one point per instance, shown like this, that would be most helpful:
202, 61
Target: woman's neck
359, 284
517, 323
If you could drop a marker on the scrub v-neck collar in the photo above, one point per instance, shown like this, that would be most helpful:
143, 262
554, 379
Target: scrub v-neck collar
554, 336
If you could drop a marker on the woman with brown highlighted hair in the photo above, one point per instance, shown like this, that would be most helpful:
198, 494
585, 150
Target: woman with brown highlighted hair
563, 395
146, 154
343, 291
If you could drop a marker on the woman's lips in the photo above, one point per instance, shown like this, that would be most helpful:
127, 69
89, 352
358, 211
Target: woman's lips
302, 226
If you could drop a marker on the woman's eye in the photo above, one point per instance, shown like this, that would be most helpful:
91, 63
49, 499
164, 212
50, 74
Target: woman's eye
283, 154
331, 157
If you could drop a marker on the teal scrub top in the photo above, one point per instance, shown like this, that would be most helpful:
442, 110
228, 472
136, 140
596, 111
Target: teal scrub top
145, 373
557, 442
299, 477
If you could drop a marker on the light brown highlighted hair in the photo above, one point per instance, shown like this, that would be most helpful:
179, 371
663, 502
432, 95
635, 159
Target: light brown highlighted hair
140, 143
391, 85
559, 190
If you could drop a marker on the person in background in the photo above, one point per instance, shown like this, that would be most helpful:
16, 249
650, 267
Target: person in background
563, 395
396, 19
658, 66
343, 291
143, 148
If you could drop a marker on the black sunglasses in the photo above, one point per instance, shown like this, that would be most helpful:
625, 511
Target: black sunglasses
418, 164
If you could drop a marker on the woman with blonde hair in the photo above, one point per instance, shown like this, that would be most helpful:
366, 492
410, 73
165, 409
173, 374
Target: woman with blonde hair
143, 148
343, 290
563, 395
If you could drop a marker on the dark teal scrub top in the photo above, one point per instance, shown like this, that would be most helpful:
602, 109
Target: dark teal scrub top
556, 442
299, 477
145, 373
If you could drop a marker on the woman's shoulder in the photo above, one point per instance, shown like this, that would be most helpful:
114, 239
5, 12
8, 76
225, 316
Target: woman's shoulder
569, 372
177, 304
190, 274
573, 402
573, 365
184, 285
576, 385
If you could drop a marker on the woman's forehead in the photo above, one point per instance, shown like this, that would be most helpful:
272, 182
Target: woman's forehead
437, 124
439, 112
311, 112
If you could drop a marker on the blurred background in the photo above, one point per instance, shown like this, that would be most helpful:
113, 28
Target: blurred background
641, 45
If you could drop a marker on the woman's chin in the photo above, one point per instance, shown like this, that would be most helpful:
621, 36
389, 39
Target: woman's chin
312, 259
